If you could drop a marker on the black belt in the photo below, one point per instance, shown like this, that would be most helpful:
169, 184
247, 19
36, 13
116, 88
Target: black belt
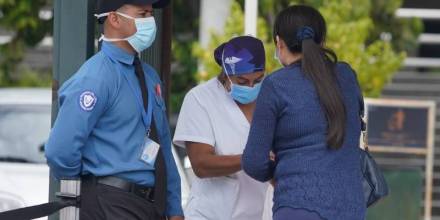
139, 190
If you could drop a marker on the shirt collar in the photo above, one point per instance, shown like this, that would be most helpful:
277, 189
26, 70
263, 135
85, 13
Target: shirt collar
117, 53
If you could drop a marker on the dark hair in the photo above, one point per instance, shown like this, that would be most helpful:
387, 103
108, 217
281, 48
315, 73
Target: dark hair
303, 29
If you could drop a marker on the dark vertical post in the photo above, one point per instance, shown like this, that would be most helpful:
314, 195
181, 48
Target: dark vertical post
159, 55
73, 44
167, 29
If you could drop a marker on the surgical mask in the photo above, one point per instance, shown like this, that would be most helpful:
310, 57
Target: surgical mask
144, 36
244, 94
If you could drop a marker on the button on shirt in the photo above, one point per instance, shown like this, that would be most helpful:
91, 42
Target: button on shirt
99, 128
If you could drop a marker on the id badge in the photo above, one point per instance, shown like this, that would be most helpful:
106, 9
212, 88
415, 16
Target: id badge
149, 151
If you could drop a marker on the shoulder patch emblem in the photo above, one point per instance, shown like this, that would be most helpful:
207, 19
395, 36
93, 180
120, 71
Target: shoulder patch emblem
87, 100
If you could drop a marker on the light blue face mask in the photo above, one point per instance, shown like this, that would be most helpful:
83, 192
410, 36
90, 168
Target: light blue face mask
245, 94
144, 36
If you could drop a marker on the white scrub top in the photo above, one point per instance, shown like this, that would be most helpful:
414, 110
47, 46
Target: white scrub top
209, 115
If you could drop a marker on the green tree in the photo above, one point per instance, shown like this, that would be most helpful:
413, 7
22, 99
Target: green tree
353, 33
403, 32
184, 66
234, 27
349, 26
22, 18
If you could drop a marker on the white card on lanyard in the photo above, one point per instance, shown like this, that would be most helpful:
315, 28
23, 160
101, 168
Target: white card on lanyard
149, 151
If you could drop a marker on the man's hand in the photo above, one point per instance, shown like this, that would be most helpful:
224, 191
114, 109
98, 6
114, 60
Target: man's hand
176, 218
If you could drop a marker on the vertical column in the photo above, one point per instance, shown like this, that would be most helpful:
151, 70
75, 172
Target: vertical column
73, 44
159, 54
213, 15
250, 17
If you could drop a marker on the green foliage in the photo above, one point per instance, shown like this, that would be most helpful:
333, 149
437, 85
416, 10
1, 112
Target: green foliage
354, 28
183, 70
349, 26
22, 18
404, 32
234, 27
184, 66
30, 78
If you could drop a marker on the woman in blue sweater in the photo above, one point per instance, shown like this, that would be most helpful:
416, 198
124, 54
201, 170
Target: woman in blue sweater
308, 114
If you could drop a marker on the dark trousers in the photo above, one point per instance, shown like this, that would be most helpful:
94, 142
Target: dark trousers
101, 202
286, 213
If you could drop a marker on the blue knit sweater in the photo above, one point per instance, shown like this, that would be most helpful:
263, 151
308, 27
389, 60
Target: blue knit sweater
290, 121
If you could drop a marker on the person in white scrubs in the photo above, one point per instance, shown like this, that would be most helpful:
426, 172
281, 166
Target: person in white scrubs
213, 126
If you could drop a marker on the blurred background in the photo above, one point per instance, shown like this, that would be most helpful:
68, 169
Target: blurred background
394, 46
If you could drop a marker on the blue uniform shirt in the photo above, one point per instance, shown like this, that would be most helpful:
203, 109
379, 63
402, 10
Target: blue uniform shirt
99, 128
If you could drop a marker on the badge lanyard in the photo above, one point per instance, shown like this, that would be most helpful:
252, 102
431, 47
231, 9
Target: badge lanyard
146, 116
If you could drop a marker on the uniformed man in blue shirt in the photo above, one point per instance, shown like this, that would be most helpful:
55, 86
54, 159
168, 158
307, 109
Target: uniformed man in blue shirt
111, 130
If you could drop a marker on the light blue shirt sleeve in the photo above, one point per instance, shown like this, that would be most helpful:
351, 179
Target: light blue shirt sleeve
82, 100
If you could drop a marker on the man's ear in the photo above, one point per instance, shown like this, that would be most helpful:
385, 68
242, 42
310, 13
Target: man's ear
113, 20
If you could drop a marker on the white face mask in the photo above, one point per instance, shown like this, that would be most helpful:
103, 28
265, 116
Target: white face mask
144, 36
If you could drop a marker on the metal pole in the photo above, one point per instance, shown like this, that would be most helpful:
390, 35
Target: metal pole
159, 55
167, 29
73, 44
250, 17
213, 15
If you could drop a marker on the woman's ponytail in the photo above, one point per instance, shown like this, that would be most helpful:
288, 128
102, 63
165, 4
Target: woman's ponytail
303, 30
321, 70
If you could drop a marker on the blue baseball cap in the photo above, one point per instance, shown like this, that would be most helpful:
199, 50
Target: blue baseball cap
104, 6
241, 55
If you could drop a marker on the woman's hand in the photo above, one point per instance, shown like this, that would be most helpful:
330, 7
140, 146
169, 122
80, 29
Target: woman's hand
176, 218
